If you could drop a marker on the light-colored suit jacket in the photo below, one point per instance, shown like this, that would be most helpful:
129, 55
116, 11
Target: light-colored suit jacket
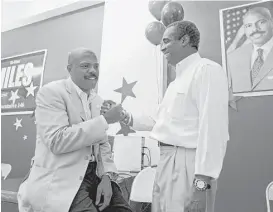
63, 148
239, 67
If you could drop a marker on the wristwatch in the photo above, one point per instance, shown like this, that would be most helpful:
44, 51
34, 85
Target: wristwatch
113, 176
201, 185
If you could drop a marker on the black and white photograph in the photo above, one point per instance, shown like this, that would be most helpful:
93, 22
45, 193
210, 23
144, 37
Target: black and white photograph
136, 106
247, 47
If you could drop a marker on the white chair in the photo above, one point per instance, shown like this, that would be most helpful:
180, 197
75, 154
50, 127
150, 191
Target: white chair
269, 196
127, 153
142, 187
5, 170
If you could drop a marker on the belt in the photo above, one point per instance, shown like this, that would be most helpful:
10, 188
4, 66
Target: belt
164, 144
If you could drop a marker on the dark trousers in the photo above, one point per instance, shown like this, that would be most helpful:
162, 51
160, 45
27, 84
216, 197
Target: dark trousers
85, 198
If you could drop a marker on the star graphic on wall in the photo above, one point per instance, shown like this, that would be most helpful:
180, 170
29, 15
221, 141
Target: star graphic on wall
18, 123
126, 90
25, 137
32, 114
233, 100
14, 96
125, 130
31, 89
22, 92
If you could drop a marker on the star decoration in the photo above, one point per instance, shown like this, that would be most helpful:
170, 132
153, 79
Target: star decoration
125, 130
31, 89
233, 100
233, 105
33, 114
18, 123
25, 137
126, 90
22, 92
14, 96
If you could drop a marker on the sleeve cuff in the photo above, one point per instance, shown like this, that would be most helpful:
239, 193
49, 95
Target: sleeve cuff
104, 122
213, 174
112, 175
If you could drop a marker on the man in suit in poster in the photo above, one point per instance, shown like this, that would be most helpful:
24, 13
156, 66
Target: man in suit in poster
251, 65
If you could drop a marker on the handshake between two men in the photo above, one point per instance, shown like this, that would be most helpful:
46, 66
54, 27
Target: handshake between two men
113, 113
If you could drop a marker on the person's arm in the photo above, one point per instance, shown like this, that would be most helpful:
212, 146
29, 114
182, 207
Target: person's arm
141, 122
108, 165
54, 128
212, 103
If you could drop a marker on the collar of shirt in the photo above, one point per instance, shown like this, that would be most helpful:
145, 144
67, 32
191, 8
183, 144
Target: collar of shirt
81, 93
184, 64
266, 49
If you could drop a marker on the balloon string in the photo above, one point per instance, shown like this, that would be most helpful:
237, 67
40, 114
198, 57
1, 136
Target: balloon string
158, 74
160, 78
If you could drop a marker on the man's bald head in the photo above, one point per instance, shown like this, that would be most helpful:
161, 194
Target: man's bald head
265, 12
83, 68
78, 53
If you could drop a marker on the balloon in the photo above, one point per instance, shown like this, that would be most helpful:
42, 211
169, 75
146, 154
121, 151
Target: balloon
154, 32
171, 12
155, 8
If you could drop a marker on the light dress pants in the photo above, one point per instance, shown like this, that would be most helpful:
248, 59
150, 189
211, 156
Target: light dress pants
174, 180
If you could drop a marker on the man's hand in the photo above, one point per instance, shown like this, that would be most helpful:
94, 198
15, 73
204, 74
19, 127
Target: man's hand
104, 189
128, 120
115, 114
107, 105
197, 202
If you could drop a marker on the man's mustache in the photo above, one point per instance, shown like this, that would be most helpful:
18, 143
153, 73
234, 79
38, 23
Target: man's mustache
257, 32
93, 74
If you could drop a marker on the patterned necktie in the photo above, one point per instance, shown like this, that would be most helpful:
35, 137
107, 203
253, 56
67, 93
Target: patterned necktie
257, 65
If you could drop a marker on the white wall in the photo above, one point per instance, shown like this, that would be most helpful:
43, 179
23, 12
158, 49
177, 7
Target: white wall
126, 53
16, 10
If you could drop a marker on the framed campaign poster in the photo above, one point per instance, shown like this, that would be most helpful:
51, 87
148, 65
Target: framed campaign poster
21, 78
247, 48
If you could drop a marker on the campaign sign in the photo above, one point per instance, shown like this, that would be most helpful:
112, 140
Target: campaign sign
21, 78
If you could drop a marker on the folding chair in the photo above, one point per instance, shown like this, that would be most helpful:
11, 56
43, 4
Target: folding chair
269, 196
142, 187
5, 170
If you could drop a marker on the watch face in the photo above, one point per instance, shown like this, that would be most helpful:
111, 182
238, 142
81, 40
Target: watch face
200, 184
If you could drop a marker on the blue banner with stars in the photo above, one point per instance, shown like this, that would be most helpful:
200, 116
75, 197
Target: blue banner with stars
21, 78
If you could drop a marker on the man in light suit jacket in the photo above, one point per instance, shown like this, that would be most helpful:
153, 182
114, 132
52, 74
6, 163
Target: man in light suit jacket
251, 65
72, 168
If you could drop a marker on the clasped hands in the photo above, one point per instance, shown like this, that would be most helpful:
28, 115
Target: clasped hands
112, 112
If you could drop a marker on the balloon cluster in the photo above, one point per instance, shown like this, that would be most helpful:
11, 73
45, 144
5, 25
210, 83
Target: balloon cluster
166, 13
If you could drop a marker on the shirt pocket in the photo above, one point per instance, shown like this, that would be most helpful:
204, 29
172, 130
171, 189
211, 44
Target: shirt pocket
176, 108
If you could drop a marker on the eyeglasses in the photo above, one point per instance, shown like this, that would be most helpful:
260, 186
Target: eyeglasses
89, 66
